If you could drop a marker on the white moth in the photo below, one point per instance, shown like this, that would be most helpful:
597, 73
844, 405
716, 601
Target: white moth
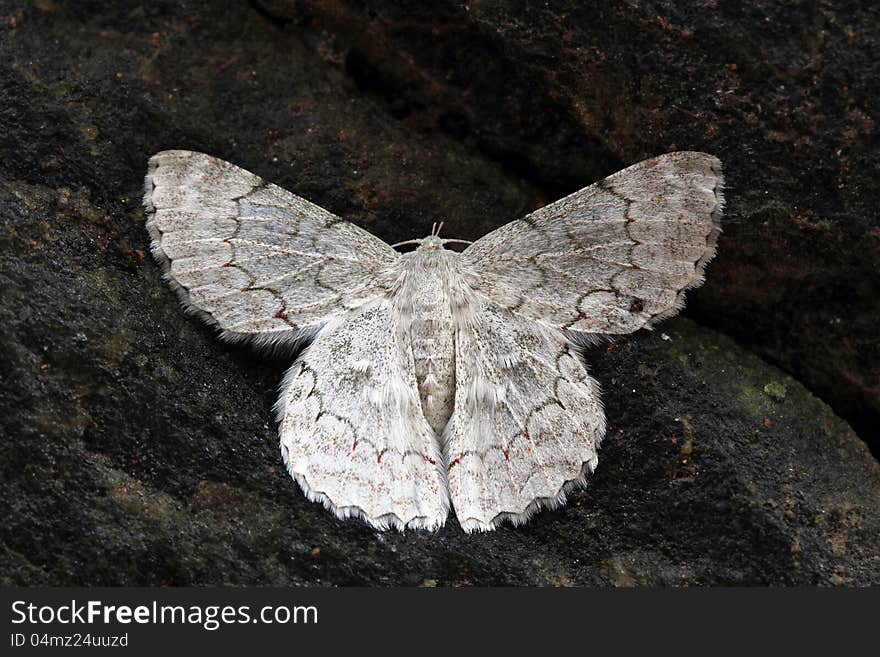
435, 379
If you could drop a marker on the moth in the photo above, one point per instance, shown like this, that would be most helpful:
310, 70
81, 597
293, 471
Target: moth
435, 379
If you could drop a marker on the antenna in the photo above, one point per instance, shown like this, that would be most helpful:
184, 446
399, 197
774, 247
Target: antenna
394, 246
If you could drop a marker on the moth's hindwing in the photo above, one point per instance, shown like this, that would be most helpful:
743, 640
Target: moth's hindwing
352, 429
527, 421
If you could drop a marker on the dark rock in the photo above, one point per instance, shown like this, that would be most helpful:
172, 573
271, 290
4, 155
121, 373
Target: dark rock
140, 450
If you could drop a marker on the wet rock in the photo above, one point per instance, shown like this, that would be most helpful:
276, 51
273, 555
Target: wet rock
140, 450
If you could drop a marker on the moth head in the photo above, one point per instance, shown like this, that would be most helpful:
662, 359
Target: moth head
430, 243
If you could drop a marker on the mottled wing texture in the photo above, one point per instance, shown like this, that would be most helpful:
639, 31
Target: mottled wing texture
613, 257
527, 421
352, 430
253, 259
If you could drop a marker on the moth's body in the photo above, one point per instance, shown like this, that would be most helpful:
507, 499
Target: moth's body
424, 298
435, 380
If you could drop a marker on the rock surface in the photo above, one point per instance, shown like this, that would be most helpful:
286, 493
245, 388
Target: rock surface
139, 450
